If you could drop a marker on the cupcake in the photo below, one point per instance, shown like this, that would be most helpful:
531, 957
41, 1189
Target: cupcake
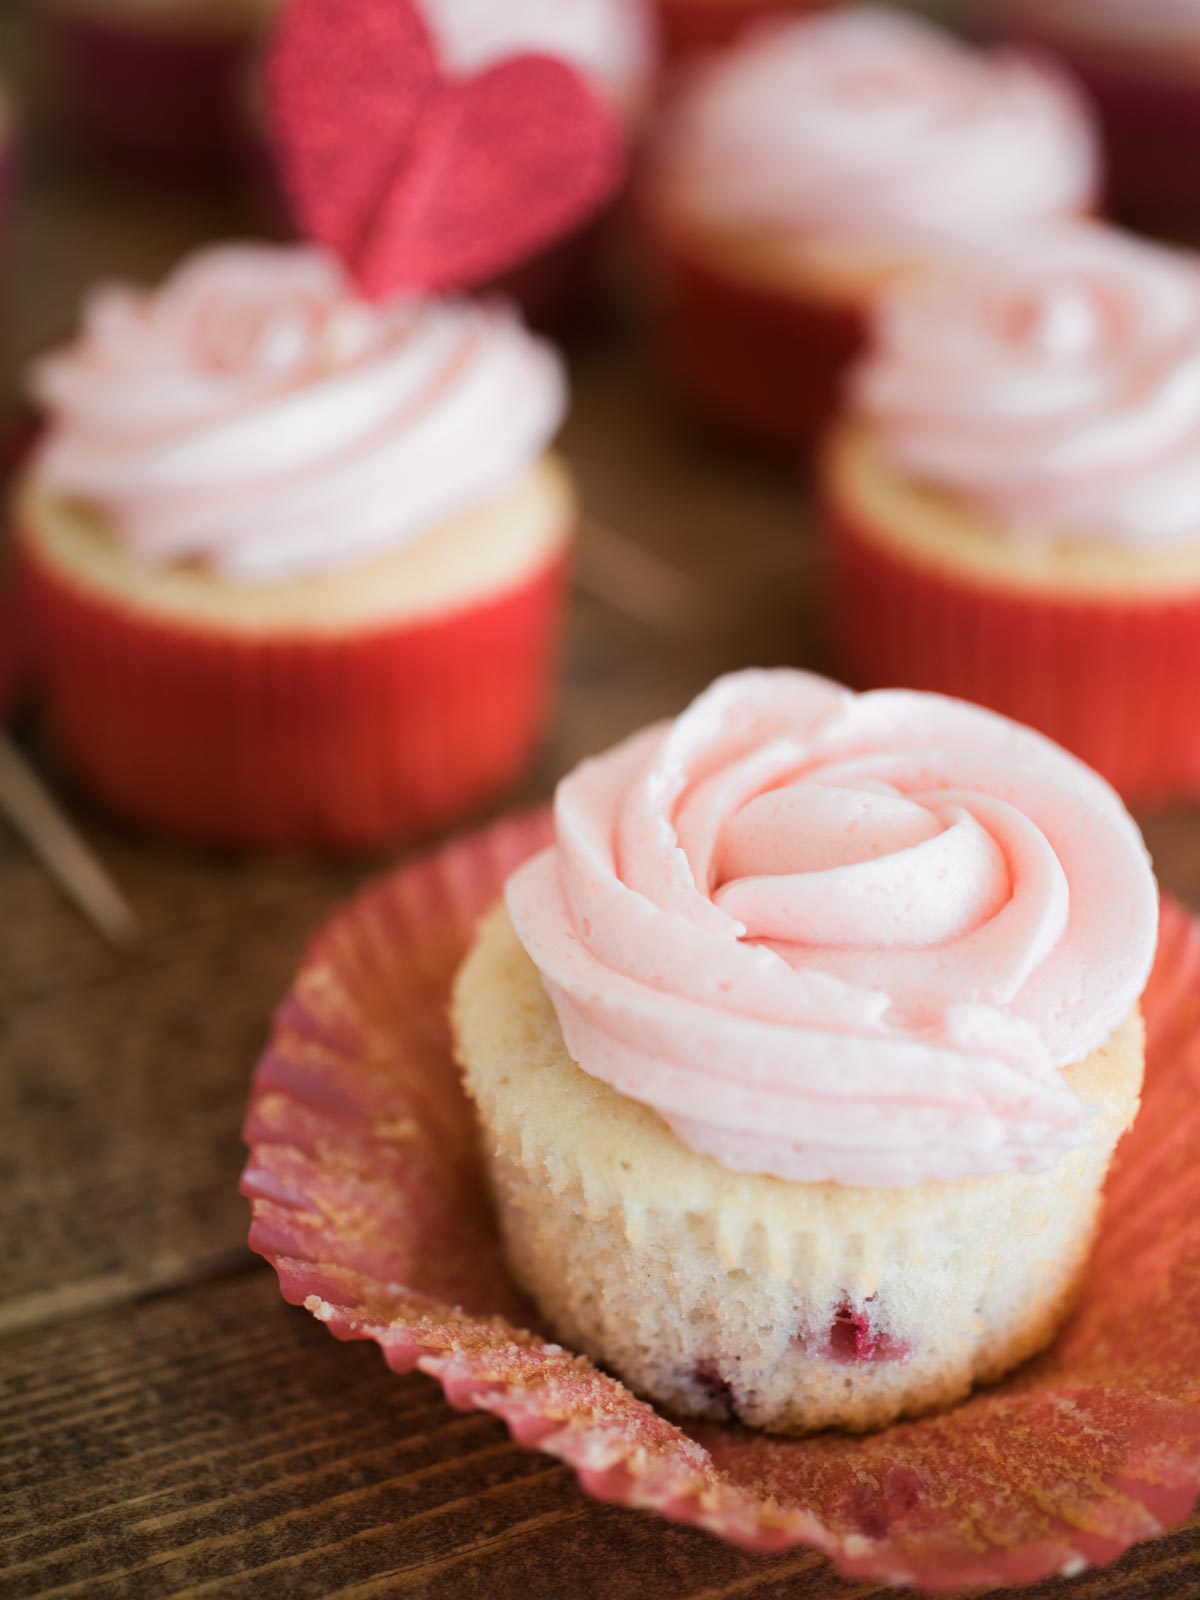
1140, 62
1012, 497
295, 560
158, 84
815, 162
802, 1053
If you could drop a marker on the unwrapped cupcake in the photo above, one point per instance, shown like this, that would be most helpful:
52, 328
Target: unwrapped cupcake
295, 560
1140, 62
815, 162
155, 82
802, 1053
1012, 497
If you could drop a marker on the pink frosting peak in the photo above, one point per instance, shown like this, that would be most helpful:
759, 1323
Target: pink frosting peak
255, 415
875, 128
839, 937
1053, 381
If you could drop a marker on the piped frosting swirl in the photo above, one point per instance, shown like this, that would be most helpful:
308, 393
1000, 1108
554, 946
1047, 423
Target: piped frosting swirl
842, 938
256, 416
876, 129
1053, 382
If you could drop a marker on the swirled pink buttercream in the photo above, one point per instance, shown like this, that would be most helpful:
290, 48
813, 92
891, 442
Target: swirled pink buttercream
1054, 382
254, 415
872, 127
842, 937
611, 41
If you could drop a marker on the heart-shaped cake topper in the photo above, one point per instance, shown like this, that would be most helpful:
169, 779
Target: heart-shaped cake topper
418, 180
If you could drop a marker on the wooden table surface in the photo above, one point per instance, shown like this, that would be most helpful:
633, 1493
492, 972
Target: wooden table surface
170, 1427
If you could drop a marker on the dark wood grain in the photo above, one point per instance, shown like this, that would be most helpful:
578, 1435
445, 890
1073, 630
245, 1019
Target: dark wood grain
169, 1427
215, 1444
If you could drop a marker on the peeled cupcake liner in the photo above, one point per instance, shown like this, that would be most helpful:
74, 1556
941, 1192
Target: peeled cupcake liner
327, 741
753, 362
1115, 680
1150, 118
168, 101
369, 1200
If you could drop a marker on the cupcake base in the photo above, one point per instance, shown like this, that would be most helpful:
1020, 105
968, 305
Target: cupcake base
339, 731
166, 100
754, 360
788, 1307
1112, 674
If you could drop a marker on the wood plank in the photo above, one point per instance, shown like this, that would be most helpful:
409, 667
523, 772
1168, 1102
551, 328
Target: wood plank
216, 1443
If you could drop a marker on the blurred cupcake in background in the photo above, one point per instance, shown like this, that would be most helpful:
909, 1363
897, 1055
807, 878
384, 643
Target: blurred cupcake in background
1013, 497
155, 83
818, 160
295, 561
1140, 61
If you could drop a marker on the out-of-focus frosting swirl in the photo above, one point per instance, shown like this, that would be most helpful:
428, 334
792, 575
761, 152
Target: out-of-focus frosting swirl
875, 128
1054, 382
254, 415
839, 937
611, 41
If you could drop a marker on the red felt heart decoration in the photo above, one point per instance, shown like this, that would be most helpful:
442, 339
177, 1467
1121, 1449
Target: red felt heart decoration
348, 82
417, 180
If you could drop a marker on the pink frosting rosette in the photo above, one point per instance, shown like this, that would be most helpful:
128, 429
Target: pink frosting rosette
256, 415
1055, 382
843, 938
873, 127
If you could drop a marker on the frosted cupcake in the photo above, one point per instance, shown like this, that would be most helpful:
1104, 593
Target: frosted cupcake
295, 561
1013, 497
1140, 61
814, 163
158, 82
802, 1053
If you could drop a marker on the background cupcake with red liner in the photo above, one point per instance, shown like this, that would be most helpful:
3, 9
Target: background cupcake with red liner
1140, 62
295, 561
816, 161
294, 547
155, 83
802, 1053
1013, 497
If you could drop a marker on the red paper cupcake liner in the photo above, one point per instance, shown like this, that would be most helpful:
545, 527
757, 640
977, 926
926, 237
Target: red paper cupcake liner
753, 362
333, 742
1117, 682
369, 1200
1150, 119
165, 101
688, 26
